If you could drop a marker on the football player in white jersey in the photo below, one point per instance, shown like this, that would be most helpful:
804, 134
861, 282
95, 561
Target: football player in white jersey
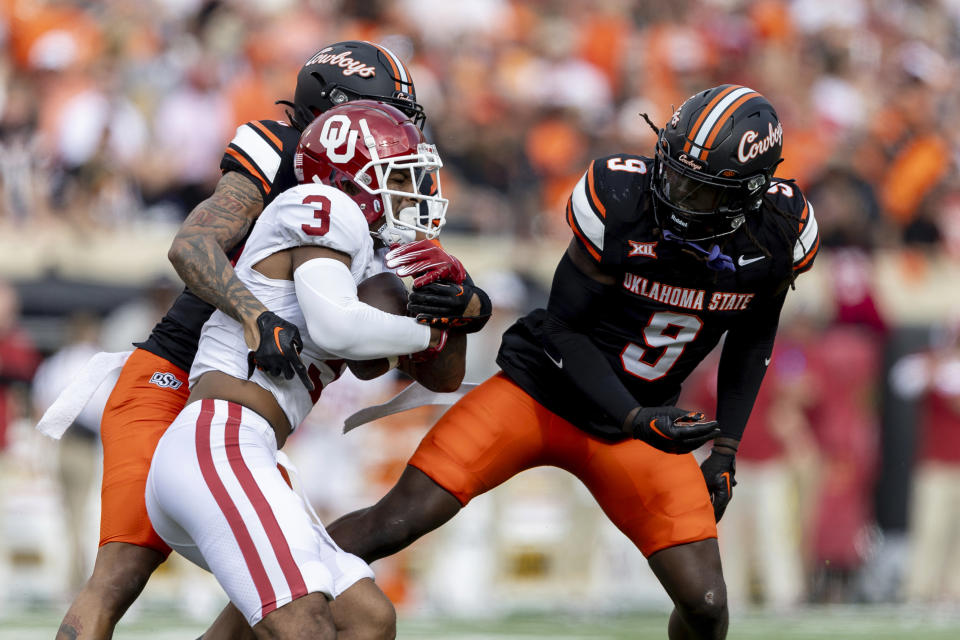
215, 493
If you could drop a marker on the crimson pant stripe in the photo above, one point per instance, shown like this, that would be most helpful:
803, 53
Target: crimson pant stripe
249, 551
268, 520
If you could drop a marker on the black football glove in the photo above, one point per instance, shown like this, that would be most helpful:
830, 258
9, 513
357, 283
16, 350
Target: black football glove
279, 351
671, 429
718, 471
443, 304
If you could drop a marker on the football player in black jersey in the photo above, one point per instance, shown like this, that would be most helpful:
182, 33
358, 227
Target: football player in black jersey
257, 165
668, 255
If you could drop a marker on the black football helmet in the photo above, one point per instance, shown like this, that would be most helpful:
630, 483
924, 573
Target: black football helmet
352, 70
714, 161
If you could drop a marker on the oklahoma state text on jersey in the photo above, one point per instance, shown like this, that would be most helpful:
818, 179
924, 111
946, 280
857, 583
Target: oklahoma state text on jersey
263, 151
668, 310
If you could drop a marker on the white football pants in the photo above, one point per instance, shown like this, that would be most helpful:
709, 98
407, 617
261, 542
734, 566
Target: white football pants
216, 496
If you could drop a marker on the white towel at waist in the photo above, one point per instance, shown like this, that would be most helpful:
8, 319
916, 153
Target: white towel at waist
71, 401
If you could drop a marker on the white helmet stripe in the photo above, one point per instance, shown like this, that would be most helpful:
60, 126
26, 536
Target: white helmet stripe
401, 69
700, 136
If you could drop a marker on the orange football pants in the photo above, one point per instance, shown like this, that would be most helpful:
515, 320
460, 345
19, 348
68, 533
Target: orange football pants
657, 499
142, 405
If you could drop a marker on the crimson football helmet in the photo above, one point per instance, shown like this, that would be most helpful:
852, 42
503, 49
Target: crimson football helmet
352, 70
357, 147
714, 161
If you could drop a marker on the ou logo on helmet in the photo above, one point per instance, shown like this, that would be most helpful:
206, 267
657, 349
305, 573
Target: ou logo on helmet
335, 133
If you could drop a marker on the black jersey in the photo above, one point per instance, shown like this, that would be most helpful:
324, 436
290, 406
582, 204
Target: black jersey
263, 151
667, 310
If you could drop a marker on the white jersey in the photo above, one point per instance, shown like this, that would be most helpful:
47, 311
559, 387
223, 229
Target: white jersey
308, 214
216, 496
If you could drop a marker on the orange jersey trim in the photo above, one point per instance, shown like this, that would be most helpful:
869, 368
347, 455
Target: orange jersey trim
810, 255
273, 138
803, 216
583, 240
249, 167
602, 210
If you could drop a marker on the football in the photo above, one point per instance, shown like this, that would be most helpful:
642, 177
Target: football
386, 292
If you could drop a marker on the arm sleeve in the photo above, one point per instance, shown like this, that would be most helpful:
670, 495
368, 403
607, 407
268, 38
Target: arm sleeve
574, 300
339, 323
743, 363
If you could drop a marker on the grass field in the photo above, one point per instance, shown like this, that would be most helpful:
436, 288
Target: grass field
846, 623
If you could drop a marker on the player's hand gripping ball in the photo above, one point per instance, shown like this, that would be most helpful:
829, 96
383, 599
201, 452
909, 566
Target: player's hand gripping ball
442, 289
427, 262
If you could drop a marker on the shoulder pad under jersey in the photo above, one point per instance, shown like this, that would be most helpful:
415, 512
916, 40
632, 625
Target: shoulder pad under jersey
787, 206
260, 150
608, 192
310, 214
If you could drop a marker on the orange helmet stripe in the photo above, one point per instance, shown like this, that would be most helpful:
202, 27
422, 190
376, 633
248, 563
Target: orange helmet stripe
718, 125
399, 71
711, 119
703, 114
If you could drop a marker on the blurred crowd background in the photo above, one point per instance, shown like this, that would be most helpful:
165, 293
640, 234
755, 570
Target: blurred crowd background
113, 118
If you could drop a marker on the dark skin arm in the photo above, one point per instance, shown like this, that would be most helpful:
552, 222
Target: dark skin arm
198, 251
742, 368
588, 267
445, 372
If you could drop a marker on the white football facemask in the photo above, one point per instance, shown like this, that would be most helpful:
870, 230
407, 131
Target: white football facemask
428, 216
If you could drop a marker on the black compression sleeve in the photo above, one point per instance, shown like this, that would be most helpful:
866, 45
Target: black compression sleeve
575, 298
743, 363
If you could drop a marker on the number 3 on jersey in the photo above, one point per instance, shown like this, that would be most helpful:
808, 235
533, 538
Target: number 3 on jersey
321, 213
665, 329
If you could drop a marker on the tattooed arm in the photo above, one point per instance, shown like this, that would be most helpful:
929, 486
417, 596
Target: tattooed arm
198, 252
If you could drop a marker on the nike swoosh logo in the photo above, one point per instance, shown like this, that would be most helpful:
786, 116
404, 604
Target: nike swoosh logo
743, 261
766, 362
276, 337
653, 425
726, 476
559, 362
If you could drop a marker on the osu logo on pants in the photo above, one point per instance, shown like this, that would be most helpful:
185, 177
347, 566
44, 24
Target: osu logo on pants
165, 380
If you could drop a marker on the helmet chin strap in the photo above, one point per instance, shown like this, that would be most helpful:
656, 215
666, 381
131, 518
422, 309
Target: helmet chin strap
716, 260
391, 235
